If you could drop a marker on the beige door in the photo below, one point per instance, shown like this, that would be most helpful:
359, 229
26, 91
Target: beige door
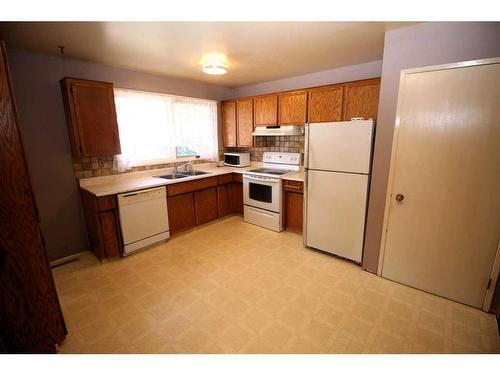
442, 236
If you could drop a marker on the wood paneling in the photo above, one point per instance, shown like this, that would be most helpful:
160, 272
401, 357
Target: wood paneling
222, 200
206, 205
292, 108
235, 197
244, 110
266, 110
91, 117
294, 211
325, 104
30, 315
181, 212
361, 99
188, 186
229, 124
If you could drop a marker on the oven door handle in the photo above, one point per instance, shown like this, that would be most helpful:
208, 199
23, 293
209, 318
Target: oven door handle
260, 179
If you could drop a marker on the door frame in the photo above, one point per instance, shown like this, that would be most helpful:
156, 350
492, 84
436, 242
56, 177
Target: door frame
390, 185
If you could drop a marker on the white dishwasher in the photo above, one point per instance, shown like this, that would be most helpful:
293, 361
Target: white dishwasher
143, 218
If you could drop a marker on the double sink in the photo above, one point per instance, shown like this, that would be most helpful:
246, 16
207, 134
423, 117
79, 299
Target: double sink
175, 176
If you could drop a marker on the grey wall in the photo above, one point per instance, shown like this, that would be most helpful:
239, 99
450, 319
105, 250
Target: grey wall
415, 46
43, 127
349, 73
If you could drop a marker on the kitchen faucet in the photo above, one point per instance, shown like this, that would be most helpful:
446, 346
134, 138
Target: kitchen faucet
188, 166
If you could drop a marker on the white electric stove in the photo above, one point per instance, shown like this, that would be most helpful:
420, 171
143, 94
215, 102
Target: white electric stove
262, 189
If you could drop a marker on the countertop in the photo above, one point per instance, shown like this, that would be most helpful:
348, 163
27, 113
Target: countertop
297, 176
125, 182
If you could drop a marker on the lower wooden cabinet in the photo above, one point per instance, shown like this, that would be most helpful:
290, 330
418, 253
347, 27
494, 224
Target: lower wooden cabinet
293, 197
235, 197
222, 200
181, 212
205, 203
101, 216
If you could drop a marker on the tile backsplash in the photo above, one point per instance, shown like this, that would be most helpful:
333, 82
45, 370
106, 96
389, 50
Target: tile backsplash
103, 166
293, 143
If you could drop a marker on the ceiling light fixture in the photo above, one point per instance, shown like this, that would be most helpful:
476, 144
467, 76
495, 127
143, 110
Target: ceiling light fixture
215, 64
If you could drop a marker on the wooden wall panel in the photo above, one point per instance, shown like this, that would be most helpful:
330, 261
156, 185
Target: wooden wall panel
31, 318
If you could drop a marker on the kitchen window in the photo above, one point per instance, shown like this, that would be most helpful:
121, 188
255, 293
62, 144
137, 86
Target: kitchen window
158, 128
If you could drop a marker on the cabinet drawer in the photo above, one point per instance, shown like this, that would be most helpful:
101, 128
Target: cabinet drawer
237, 177
225, 179
106, 203
189, 186
294, 186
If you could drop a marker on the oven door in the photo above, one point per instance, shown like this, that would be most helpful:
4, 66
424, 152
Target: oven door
262, 192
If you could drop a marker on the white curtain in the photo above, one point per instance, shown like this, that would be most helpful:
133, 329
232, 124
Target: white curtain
153, 126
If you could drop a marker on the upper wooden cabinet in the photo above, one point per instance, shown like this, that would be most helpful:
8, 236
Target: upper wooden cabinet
244, 123
292, 108
229, 123
91, 117
325, 104
361, 99
266, 110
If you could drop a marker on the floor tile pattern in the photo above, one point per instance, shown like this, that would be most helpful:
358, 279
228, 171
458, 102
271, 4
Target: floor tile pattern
232, 287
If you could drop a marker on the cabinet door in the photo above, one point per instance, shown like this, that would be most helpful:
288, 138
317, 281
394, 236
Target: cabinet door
181, 212
91, 116
361, 99
266, 110
235, 197
294, 211
222, 200
109, 230
325, 104
293, 108
31, 319
244, 110
205, 205
229, 124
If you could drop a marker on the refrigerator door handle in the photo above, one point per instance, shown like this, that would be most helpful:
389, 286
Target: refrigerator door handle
306, 169
306, 148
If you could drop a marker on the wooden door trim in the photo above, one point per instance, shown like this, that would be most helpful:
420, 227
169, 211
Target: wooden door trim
397, 126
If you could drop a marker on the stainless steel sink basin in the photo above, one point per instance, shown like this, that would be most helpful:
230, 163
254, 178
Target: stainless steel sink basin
173, 176
194, 173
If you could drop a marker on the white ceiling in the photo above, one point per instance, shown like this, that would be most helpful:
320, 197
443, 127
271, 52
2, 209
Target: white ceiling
257, 51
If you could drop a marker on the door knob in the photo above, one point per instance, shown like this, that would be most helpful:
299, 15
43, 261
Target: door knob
399, 197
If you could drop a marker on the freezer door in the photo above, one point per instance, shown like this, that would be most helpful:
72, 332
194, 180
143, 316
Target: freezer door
336, 208
340, 146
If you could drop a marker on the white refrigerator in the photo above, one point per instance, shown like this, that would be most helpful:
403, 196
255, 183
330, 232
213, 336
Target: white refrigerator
337, 172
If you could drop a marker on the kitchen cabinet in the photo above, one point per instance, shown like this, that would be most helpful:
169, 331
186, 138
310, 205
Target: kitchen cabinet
101, 216
293, 193
325, 104
235, 197
244, 111
229, 131
361, 99
222, 200
181, 212
91, 117
292, 108
205, 203
266, 110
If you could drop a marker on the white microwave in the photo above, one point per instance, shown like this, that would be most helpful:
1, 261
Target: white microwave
237, 159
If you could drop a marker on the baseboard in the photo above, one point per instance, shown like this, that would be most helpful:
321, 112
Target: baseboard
69, 258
